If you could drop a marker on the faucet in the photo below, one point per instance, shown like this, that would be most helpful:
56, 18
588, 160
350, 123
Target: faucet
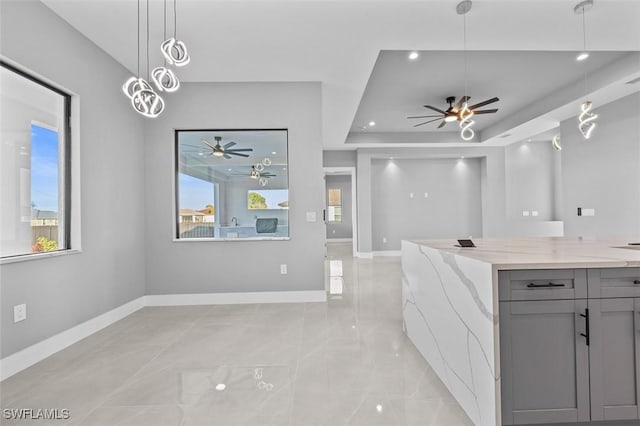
234, 220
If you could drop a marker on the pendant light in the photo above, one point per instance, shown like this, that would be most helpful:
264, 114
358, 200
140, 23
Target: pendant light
143, 98
174, 50
466, 132
555, 142
164, 78
586, 119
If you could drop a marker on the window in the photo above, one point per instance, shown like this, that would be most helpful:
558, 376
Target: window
335, 205
231, 183
35, 169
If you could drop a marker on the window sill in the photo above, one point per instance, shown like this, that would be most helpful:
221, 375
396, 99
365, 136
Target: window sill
35, 256
195, 240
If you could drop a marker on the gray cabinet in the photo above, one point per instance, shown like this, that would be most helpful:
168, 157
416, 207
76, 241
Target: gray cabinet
615, 358
544, 361
550, 373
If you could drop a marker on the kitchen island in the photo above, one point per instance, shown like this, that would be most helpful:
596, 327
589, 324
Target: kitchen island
545, 287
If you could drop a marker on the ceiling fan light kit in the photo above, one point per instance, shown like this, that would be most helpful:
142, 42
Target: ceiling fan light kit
143, 98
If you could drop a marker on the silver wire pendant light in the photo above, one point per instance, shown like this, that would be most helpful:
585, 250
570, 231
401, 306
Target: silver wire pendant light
143, 98
586, 118
465, 114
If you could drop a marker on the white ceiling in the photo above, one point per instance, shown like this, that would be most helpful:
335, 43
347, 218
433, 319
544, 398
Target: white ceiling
337, 43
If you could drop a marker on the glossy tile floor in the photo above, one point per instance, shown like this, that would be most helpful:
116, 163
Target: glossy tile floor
344, 362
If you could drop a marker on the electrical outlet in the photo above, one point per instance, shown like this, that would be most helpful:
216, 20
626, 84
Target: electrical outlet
19, 313
525, 212
283, 269
534, 213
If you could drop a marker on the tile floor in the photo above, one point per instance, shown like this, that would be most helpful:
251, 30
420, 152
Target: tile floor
345, 362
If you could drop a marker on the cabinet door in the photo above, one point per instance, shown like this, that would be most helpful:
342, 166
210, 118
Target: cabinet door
614, 354
544, 362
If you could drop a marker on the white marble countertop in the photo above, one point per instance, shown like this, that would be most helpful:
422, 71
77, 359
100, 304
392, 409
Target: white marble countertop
546, 253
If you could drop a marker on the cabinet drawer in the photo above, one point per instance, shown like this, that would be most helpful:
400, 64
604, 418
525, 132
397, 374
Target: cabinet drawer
614, 282
542, 284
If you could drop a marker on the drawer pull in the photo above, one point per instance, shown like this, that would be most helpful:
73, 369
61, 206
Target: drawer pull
636, 281
548, 285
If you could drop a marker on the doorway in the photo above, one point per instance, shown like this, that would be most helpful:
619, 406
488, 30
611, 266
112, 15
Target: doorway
340, 216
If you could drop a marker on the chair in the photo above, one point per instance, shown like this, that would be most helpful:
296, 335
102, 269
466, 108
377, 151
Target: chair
266, 225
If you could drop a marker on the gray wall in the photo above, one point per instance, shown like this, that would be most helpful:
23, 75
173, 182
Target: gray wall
491, 188
339, 158
603, 172
212, 267
343, 229
400, 210
61, 292
530, 174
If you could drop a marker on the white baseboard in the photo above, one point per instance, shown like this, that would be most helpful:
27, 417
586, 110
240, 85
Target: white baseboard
364, 255
25, 358
339, 240
392, 253
236, 298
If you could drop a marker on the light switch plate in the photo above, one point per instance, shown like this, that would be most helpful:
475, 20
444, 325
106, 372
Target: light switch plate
19, 313
588, 212
525, 212
311, 216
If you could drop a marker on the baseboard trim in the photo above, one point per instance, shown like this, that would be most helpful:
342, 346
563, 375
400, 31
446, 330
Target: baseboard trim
26, 357
387, 253
35, 353
364, 255
339, 240
236, 298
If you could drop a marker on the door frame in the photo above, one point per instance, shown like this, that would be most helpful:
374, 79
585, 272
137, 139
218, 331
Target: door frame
345, 171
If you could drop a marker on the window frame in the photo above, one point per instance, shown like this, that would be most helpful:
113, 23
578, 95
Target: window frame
66, 163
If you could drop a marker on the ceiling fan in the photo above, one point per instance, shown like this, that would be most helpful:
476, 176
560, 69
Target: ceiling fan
254, 174
261, 176
218, 150
453, 112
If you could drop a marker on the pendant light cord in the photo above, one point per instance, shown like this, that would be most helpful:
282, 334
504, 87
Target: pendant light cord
175, 20
464, 41
164, 29
584, 49
148, 74
138, 35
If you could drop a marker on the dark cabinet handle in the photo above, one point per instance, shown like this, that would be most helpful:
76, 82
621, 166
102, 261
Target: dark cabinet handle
636, 281
532, 285
586, 326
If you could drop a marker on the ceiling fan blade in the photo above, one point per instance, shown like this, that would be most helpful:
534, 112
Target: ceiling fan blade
426, 122
236, 153
442, 124
487, 102
207, 144
486, 111
424, 116
227, 156
239, 149
228, 145
458, 104
435, 109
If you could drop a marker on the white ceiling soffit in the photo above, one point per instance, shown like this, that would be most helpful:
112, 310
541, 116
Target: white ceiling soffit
337, 42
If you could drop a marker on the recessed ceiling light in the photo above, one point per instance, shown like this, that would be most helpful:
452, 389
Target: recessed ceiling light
372, 123
582, 56
273, 153
413, 55
221, 387
379, 408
